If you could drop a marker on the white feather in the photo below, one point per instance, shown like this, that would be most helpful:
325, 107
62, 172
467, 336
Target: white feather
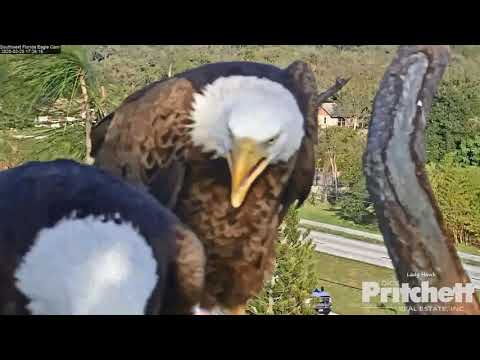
86, 266
251, 107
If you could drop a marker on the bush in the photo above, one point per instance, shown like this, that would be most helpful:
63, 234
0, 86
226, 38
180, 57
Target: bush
294, 278
453, 121
468, 152
355, 204
457, 190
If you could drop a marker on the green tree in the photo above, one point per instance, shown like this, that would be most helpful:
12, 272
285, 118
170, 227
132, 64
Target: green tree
457, 190
468, 152
356, 101
354, 204
295, 275
453, 119
348, 146
341, 149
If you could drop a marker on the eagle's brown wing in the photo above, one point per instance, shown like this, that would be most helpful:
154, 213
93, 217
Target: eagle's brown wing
98, 133
146, 139
184, 287
302, 83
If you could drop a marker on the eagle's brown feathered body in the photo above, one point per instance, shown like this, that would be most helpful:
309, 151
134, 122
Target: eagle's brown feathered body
147, 141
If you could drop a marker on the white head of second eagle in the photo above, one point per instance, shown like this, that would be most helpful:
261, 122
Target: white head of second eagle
251, 122
88, 266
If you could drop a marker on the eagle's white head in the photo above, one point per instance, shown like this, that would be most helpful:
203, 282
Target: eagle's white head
88, 267
251, 122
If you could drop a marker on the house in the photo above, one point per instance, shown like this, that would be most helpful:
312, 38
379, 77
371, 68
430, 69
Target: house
326, 117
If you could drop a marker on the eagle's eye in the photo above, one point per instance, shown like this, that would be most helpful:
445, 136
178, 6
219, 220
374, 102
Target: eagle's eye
272, 140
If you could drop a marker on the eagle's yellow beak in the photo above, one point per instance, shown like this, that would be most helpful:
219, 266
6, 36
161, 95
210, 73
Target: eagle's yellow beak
246, 161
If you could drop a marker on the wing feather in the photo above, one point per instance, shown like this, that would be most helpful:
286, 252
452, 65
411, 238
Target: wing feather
303, 85
146, 139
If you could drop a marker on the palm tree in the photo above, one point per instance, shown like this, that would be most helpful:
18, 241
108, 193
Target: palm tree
66, 78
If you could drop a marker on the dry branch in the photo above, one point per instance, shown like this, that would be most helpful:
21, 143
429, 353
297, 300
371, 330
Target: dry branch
394, 163
324, 96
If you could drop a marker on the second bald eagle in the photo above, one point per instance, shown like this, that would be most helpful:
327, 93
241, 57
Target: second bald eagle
228, 146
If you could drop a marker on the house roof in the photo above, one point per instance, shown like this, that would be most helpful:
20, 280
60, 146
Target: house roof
328, 108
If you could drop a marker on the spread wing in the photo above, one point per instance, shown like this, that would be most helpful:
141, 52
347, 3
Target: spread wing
303, 85
145, 140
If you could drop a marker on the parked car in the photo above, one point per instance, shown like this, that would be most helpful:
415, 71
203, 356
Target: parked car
324, 305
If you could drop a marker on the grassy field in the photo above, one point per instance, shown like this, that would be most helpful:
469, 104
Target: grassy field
328, 215
468, 249
343, 278
343, 234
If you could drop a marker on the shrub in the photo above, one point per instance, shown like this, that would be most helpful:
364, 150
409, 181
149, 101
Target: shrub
468, 152
457, 190
355, 204
453, 121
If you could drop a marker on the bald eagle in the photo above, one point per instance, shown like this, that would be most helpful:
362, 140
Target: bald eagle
229, 147
76, 240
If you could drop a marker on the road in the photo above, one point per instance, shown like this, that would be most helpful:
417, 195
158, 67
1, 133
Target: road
374, 254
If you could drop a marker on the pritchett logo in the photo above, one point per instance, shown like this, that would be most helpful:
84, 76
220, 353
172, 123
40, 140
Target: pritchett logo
460, 293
